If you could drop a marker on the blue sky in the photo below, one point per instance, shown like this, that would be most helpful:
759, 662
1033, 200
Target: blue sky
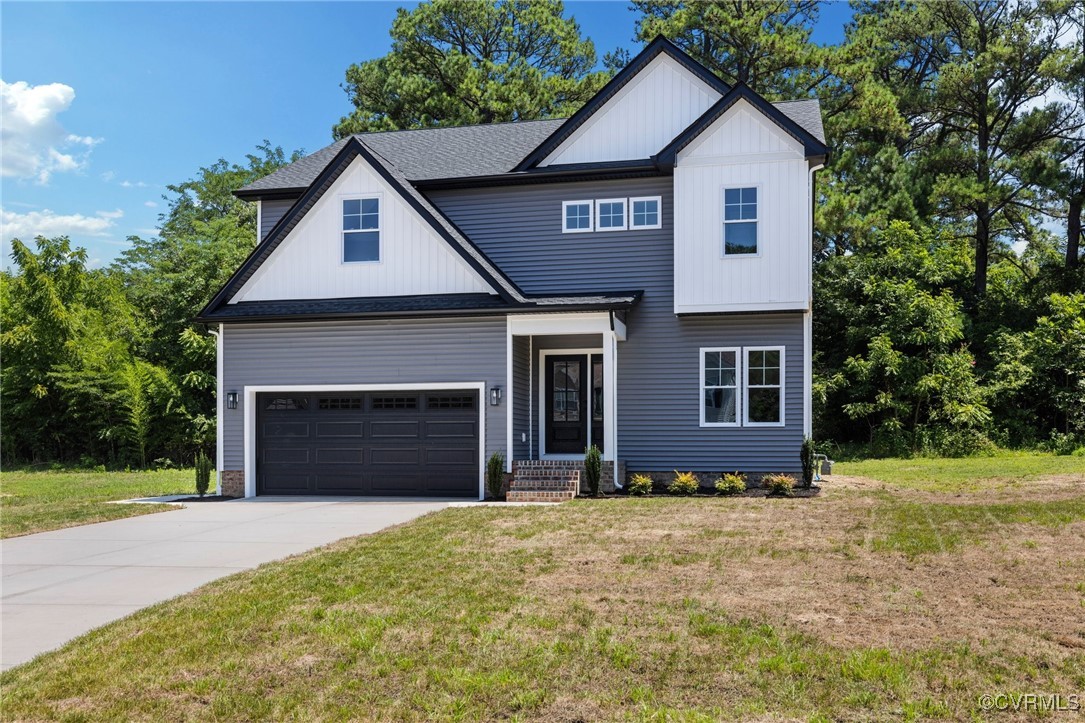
106, 103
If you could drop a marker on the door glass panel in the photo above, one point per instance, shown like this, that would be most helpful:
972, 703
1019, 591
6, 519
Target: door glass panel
597, 391
566, 391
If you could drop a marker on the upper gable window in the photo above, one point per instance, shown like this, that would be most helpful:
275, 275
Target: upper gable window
644, 212
610, 214
361, 229
576, 216
739, 221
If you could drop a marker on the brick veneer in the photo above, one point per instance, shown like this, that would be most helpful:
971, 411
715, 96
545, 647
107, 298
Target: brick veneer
233, 483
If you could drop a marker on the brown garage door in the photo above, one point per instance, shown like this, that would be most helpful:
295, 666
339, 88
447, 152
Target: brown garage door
373, 443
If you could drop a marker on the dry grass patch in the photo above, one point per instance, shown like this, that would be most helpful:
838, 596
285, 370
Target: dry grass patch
632, 609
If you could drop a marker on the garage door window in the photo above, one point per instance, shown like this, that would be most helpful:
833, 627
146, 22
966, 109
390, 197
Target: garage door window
395, 402
340, 403
446, 401
282, 404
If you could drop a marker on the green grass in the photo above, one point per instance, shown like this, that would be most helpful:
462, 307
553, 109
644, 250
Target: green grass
39, 501
917, 528
950, 474
594, 610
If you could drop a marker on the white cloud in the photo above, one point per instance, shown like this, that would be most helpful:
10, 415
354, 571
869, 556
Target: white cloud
26, 226
130, 184
35, 144
150, 204
107, 176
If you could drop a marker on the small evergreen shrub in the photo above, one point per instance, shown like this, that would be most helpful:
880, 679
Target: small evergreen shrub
806, 456
203, 473
685, 483
593, 469
640, 485
781, 485
495, 474
731, 484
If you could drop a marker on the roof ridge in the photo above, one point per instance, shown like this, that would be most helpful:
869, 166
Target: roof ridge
463, 125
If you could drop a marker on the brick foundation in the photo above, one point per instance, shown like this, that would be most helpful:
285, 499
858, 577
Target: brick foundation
233, 483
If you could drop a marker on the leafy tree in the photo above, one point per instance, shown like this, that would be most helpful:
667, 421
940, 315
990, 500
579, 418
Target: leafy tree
762, 43
454, 63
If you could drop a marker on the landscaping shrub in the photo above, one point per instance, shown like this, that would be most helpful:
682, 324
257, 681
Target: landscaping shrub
685, 483
779, 484
495, 474
593, 469
640, 485
203, 473
731, 484
806, 456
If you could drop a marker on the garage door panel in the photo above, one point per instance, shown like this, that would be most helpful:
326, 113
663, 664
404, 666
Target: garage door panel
452, 429
286, 455
340, 456
436, 456
380, 443
395, 455
340, 429
394, 430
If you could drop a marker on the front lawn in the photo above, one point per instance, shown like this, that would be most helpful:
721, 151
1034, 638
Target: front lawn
951, 474
39, 501
643, 609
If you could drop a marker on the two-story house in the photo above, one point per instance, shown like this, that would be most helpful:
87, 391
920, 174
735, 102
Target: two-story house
637, 277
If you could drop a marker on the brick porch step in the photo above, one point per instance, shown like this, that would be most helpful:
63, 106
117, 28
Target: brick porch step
543, 481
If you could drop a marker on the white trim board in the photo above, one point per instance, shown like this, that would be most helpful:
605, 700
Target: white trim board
250, 392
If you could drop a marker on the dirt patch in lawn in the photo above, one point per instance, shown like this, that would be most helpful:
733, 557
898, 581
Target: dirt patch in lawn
816, 566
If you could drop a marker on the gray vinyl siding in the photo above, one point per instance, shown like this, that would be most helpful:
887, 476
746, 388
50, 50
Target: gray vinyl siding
271, 212
658, 366
521, 409
363, 352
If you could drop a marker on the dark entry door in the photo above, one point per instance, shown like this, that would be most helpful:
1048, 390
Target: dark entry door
375, 443
566, 404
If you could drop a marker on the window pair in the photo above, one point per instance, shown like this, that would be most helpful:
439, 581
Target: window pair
742, 386
611, 214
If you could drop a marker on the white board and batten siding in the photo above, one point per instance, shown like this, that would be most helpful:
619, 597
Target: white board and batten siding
308, 264
742, 149
641, 118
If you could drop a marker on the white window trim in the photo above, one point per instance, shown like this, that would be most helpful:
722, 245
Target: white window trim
625, 214
565, 218
724, 221
659, 212
746, 387
739, 397
379, 229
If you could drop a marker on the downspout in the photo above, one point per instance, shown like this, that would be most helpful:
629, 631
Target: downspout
218, 408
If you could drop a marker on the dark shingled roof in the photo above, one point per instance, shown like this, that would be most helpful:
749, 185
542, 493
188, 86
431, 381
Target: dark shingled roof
372, 307
462, 152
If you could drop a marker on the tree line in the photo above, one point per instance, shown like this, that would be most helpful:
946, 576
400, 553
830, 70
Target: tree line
949, 291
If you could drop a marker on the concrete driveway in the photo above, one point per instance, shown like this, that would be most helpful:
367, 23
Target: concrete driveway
58, 585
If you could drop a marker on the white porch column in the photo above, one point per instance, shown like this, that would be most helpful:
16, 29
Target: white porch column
610, 399
508, 396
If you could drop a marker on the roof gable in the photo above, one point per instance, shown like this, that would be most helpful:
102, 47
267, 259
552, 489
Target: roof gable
812, 147
351, 149
659, 46
414, 259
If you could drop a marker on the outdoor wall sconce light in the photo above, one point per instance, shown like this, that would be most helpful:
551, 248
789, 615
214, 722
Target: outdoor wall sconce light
231, 400
495, 396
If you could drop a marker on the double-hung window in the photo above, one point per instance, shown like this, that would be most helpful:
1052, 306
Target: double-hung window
610, 214
719, 387
577, 216
644, 212
361, 229
739, 221
764, 386
742, 386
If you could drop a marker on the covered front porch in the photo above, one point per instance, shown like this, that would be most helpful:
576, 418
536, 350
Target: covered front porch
562, 395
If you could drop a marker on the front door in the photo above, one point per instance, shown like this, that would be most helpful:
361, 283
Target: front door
574, 403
